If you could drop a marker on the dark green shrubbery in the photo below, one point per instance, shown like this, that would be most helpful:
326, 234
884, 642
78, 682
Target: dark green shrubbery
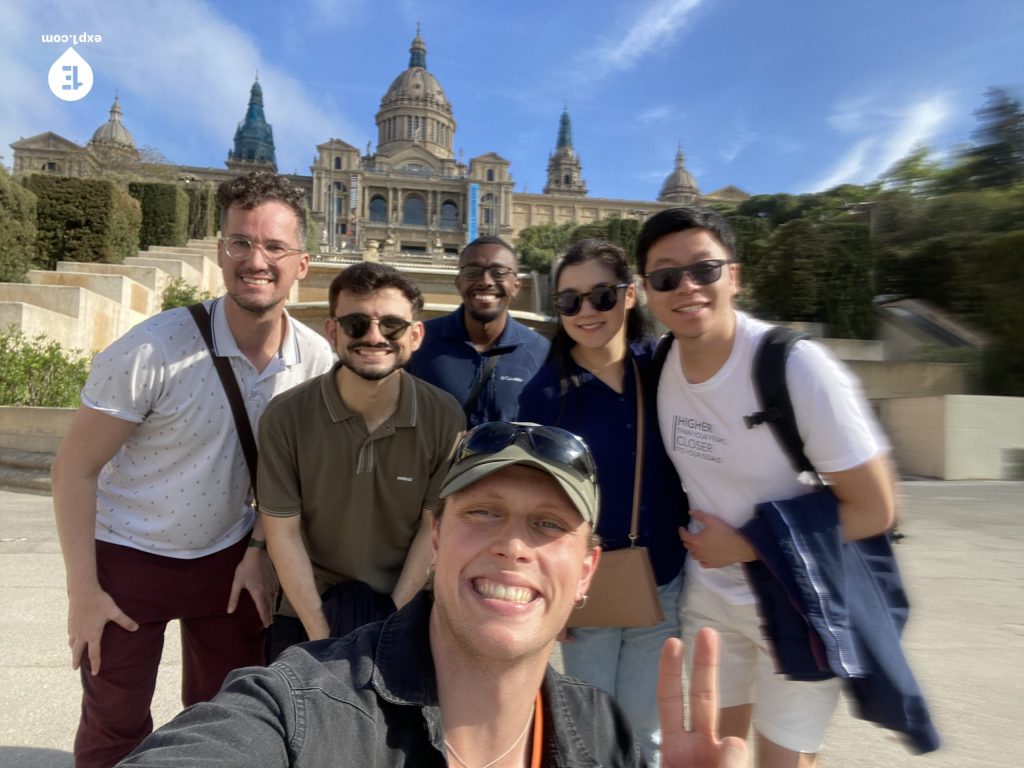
165, 213
179, 293
202, 210
39, 372
83, 220
17, 230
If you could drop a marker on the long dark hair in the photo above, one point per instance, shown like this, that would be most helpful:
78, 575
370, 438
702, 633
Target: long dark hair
638, 326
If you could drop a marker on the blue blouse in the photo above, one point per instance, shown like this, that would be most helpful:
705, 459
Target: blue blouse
606, 420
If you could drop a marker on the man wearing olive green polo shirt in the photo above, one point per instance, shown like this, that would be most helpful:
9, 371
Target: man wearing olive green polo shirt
351, 465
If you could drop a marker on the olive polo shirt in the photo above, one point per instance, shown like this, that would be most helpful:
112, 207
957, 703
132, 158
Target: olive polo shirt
360, 495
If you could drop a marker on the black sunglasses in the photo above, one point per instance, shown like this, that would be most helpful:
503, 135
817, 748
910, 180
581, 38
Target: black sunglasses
701, 273
474, 272
358, 325
601, 297
547, 443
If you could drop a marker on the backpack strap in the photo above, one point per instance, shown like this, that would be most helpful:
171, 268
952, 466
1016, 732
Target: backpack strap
769, 374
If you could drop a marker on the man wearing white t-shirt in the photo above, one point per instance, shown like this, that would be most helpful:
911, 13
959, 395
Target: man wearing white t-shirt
688, 259
151, 489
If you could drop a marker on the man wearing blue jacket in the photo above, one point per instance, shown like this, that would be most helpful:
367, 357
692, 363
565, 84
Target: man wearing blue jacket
479, 354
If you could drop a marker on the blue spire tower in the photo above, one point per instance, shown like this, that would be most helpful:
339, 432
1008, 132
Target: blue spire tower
565, 174
254, 138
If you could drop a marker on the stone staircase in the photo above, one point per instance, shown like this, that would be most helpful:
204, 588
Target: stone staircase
85, 306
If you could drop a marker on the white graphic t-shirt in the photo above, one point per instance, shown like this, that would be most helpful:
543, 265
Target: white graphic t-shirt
727, 468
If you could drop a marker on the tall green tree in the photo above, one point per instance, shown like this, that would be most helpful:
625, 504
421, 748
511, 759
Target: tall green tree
997, 159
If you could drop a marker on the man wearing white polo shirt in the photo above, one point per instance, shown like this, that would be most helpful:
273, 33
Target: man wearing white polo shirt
151, 489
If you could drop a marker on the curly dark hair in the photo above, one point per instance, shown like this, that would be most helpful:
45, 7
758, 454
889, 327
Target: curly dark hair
252, 189
368, 276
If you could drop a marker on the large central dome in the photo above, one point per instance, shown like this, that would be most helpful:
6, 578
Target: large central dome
415, 109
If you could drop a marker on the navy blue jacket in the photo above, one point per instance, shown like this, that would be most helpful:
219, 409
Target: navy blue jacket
834, 608
607, 421
448, 359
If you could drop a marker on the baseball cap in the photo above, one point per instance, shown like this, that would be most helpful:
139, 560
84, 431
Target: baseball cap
492, 446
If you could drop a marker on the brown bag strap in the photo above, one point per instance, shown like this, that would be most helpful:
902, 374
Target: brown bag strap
639, 470
227, 379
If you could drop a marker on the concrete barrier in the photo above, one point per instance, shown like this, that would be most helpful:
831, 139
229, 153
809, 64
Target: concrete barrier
37, 430
957, 437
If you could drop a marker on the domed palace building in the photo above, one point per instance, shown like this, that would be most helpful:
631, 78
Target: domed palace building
411, 195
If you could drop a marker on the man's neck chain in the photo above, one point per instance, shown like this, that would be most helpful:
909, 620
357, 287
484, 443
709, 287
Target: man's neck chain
499, 758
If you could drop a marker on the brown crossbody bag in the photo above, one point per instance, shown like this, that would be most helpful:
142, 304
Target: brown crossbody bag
623, 592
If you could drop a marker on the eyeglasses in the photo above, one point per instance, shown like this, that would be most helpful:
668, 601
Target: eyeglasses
701, 273
357, 325
601, 297
240, 248
546, 443
474, 272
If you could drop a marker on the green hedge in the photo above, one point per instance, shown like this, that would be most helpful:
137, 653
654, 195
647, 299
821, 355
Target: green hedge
17, 230
39, 372
202, 210
83, 220
165, 213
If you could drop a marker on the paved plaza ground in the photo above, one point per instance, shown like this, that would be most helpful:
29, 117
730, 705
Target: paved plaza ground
963, 561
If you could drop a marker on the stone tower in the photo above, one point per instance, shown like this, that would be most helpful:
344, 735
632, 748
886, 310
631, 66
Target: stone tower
415, 110
564, 170
679, 186
254, 138
111, 141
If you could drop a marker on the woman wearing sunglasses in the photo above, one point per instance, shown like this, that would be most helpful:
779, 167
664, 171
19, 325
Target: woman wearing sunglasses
589, 386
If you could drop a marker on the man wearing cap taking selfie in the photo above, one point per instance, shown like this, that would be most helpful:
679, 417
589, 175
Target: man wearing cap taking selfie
460, 675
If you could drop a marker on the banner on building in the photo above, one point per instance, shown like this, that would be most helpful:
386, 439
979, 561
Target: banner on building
474, 213
353, 192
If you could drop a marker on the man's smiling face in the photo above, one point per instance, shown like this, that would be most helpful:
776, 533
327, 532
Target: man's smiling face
256, 285
372, 356
486, 297
511, 555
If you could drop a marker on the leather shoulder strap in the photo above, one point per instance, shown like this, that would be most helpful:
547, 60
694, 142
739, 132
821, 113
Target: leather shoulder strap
234, 394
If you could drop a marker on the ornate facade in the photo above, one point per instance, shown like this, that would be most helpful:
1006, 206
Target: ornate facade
410, 194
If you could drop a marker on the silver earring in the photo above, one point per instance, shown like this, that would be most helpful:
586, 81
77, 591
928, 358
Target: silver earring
581, 602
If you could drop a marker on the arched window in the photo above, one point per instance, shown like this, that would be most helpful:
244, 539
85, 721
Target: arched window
490, 174
414, 211
449, 214
378, 208
337, 163
567, 180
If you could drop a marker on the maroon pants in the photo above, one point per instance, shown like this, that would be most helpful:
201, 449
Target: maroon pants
153, 590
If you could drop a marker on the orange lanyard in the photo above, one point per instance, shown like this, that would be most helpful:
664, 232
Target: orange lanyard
538, 732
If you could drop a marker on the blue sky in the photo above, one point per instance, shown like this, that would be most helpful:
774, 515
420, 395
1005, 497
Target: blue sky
771, 96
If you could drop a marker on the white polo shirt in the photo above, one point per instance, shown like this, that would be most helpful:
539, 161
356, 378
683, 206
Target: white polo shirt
179, 486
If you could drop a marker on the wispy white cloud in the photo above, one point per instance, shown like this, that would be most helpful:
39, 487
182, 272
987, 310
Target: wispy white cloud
654, 27
655, 114
178, 62
735, 145
881, 136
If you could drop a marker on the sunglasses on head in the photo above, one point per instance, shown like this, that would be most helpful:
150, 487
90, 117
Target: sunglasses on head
545, 443
601, 297
357, 325
701, 273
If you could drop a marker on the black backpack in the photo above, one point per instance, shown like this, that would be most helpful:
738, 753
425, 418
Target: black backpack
769, 374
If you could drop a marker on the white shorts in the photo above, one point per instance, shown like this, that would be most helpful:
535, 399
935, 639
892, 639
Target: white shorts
793, 714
